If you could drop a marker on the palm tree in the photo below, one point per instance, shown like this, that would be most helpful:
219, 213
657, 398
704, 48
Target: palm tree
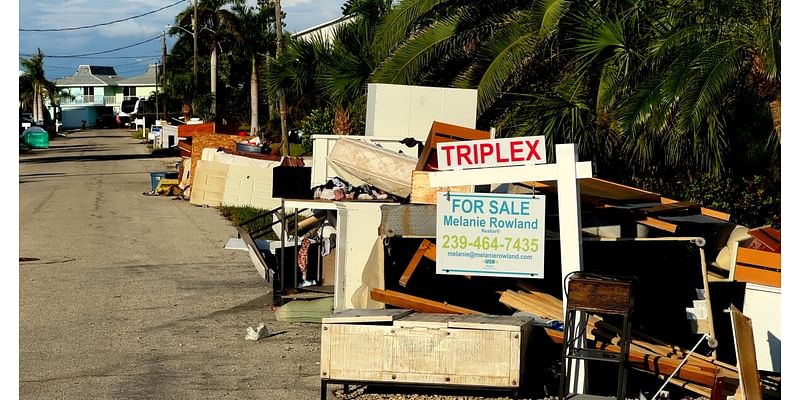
345, 76
256, 38
214, 23
686, 107
34, 86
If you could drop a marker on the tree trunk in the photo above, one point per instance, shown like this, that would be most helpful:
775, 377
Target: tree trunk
37, 106
253, 98
342, 124
214, 81
775, 109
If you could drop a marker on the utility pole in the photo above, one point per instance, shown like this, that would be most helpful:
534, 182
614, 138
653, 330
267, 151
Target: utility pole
194, 36
282, 97
164, 68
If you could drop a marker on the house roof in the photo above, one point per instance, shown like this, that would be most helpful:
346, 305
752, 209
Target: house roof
325, 29
91, 75
146, 79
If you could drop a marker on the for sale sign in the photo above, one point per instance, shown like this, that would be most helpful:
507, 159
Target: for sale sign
491, 153
490, 234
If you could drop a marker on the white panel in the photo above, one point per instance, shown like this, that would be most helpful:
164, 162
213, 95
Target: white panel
460, 107
391, 111
208, 186
409, 111
426, 106
369, 128
359, 256
249, 186
763, 305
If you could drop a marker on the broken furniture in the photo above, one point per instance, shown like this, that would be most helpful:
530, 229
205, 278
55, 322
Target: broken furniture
359, 249
399, 347
601, 295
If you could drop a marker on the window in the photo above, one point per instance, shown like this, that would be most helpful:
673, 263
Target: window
129, 91
88, 90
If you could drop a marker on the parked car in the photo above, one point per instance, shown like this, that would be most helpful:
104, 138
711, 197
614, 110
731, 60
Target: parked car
106, 121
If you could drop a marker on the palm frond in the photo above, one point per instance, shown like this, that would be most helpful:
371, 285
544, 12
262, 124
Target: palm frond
406, 63
399, 23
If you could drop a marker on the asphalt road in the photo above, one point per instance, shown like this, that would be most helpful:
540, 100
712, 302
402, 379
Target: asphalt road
125, 296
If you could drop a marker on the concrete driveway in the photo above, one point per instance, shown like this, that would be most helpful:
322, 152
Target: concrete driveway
125, 296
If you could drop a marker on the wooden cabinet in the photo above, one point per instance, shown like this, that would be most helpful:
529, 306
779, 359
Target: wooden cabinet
397, 346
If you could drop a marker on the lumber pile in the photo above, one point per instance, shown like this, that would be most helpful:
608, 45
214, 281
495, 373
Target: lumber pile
699, 374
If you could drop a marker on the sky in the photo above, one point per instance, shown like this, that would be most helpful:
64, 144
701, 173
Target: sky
59, 14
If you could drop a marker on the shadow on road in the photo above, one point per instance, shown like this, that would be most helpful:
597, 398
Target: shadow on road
101, 157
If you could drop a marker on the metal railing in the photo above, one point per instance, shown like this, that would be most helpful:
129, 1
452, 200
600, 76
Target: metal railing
92, 99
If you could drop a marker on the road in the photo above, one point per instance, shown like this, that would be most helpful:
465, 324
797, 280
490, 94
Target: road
125, 296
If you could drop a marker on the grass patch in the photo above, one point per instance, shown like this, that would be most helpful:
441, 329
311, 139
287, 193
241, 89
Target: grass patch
137, 134
237, 215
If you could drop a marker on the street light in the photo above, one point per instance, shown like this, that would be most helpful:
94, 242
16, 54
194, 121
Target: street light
194, 58
213, 63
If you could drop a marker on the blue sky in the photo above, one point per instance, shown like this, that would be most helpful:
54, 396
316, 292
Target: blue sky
49, 14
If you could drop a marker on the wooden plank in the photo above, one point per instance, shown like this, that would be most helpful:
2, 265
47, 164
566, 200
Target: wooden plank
423, 193
455, 356
440, 133
598, 191
425, 320
678, 206
767, 237
355, 352
760, 258
746, 273
365, 316
490, 322
412, 265
745, 354
659, 224
654, 363
704, 211
420, 304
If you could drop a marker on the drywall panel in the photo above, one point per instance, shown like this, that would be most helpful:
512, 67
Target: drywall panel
208, 186
425, 106
249, 186
409, 111
763, 305
460, 107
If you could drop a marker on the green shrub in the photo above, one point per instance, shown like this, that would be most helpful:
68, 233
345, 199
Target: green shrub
318, 122
237, 215
752, 201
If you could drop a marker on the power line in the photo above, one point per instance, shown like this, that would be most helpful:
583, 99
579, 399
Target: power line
101, 52
100, 24
102, 58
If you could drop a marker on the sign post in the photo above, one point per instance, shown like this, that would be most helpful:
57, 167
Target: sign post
509, 161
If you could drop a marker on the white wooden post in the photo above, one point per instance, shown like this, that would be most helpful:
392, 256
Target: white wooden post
569, 221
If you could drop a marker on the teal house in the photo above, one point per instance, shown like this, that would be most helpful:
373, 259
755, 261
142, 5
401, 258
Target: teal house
97, 91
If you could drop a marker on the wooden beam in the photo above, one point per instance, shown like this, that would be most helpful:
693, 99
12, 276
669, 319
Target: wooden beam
750, 383
704, 211
412, 265
419, 304
659, 224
